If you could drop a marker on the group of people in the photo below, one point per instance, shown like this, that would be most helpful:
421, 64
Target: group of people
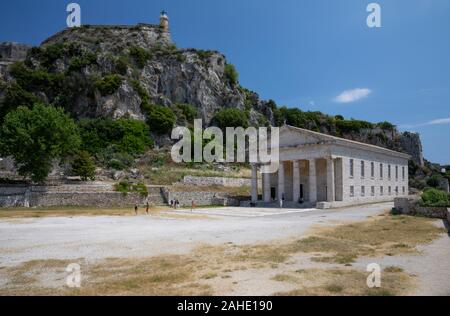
147, 208
175, 204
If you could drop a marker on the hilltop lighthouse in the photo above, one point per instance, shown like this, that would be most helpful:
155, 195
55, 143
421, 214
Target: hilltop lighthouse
164, 21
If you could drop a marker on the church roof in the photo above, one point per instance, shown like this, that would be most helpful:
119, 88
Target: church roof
324, 138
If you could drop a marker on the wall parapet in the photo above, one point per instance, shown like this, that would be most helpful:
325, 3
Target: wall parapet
410, 206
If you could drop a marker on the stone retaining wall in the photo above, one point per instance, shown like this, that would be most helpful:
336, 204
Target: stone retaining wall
201, 198
76, 195
220, 181
410, 206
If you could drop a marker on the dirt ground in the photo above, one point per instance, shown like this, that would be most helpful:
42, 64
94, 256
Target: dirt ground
225, 251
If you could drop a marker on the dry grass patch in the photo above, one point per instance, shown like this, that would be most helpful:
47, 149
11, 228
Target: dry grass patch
385, 235
162, 275
72, 211
343, 282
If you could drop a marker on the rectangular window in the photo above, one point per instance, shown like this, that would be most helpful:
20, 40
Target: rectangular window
389, 172
396, 173
381, 191
381, 171
372, 169
363, 191
390, 190
403, 173
396, 190
404, 190
352, 191
352, 168
363, 171
372, 191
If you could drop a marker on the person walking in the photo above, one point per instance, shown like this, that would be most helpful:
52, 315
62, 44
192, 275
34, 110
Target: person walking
193, 206
282, 201
148, 208
136, 209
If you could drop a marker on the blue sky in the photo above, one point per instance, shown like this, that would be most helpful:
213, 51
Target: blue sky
311, 54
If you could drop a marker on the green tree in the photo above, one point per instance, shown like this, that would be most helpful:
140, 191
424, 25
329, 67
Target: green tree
160, 118
37, 136
83, 166
231, 117
136, 137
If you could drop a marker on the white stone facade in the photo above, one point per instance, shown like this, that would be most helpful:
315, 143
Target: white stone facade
325, 171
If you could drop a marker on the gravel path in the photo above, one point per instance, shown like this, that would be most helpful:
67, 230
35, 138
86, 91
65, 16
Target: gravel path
103, 237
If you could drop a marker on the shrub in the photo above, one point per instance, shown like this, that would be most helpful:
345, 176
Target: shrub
116, 164
435, 198
140, 188
204, 54
109, 84
160, 119
349, 126
83, 166
140, 55
122, 186
434, 180
126, 187
35, 80
386, 125
143, 94
231, 117
78, 63
121, 65
52, 53
189, 111
231, 75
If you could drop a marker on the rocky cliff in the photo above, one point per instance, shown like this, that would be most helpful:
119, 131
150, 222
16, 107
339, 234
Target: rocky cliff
140, 64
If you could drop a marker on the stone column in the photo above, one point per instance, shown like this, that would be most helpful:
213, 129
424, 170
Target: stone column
254, 183
296, 181
281, 181
312, 181
330, 180
266, 186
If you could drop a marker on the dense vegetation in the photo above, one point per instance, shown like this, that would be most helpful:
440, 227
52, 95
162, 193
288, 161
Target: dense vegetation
115, 143
231, 118
160, 118
435, 198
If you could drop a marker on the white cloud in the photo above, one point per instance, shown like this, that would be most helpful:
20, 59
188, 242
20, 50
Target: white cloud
353, 95
440, 121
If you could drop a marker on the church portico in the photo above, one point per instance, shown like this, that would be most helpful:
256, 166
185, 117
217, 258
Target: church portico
317, 170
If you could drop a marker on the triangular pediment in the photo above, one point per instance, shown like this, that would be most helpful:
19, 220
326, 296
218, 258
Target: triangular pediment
296, 137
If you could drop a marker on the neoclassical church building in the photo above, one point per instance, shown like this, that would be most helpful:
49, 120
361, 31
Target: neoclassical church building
323, 171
